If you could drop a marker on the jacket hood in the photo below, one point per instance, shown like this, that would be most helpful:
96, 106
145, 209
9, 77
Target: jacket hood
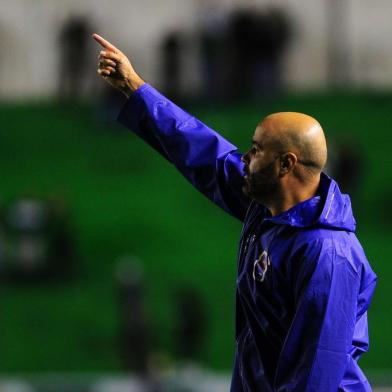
329, 209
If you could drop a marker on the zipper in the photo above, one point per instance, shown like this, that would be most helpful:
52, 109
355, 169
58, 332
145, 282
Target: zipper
249, 242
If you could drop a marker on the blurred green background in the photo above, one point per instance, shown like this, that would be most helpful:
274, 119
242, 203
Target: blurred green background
126, 199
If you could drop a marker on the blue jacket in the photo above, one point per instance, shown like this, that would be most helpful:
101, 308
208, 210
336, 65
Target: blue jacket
304, 284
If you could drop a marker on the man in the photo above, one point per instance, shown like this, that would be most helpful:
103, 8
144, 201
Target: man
304, 284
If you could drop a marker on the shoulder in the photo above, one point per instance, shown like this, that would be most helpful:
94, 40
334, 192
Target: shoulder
328, 248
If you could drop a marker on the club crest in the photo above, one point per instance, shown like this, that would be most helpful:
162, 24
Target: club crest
260, 267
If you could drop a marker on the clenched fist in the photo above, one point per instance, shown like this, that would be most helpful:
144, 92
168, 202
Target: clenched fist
116, 69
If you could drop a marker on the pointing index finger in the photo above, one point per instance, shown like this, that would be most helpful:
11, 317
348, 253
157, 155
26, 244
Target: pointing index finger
105, 44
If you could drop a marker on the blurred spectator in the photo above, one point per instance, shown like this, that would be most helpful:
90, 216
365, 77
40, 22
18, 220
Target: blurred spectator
347, 166
135, 332
256, 42
134, 325
39, 243
190, 328
171, 64
62, 244
73, 71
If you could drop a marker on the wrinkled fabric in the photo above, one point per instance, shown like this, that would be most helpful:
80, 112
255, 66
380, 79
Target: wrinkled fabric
304, 284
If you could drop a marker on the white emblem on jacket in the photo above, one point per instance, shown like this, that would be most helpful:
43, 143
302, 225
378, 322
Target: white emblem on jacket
260, 267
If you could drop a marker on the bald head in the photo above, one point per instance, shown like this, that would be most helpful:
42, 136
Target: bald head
297, 133
283, 166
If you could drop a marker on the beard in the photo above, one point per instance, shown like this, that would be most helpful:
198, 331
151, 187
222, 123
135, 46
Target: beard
262, 185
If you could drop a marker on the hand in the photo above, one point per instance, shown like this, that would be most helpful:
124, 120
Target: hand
116, 69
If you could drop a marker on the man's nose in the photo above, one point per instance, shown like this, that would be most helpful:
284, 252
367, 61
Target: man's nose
245, 159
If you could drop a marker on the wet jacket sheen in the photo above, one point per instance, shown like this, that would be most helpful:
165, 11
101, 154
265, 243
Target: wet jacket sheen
303, 285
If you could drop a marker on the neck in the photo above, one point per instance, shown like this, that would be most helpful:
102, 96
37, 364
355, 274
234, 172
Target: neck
291, 194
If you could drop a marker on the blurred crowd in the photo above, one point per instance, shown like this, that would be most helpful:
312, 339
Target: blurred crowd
240, 55
38, 249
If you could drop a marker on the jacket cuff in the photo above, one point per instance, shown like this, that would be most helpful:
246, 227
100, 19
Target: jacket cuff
134, 108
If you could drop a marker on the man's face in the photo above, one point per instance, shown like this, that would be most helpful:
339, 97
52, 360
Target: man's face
261, 167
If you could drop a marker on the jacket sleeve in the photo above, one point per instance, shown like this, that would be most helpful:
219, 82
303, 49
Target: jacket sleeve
316, 352
206, 159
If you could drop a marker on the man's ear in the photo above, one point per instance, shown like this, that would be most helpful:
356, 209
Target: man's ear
287, 162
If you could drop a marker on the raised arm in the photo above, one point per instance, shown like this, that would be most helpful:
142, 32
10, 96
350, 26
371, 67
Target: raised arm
206, 159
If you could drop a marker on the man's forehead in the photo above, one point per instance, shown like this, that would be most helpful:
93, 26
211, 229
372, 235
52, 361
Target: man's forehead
262, 133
